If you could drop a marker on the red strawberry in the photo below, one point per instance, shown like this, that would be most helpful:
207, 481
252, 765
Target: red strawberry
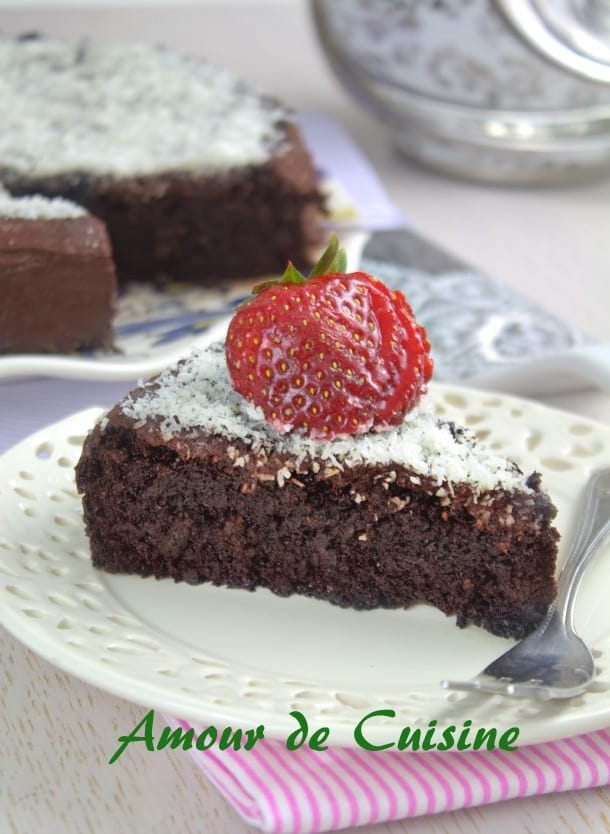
334, 354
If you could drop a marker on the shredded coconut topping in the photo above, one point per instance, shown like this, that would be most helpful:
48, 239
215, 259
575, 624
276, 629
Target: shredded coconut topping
37, 207
126, 110
199, 396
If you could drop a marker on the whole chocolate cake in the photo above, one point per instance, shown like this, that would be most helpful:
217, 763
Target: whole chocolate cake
57, 277
186, 479
197, 176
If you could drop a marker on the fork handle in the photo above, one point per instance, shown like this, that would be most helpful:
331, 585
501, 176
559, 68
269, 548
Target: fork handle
593, 529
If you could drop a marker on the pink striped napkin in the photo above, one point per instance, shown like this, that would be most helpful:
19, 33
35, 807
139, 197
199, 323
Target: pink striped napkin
300, 791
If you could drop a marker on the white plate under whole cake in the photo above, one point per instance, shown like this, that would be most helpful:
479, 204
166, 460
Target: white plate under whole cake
233, 657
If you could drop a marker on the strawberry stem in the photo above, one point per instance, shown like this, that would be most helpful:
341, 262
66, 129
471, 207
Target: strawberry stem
333, 259
292, 275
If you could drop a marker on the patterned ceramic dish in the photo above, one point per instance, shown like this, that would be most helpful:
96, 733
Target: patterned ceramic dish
500, 90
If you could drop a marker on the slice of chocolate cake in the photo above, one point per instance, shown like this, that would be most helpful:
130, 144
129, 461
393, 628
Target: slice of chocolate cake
57, 277
185, 479
197, 176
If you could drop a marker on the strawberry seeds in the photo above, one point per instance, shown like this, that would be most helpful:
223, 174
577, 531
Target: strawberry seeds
331, 355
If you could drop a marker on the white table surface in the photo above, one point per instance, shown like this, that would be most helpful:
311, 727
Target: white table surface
553, 244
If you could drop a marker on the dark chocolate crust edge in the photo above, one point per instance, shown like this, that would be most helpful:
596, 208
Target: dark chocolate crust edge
202, 228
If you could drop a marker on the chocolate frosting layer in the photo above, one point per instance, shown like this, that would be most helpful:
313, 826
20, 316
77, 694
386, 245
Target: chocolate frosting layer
58, 285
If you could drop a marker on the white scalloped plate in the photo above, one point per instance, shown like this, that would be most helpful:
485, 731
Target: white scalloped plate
232, 657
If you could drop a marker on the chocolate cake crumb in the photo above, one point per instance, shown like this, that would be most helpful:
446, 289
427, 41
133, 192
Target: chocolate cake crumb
227, 504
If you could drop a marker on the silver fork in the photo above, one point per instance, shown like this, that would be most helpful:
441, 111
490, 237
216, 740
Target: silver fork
553, 661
